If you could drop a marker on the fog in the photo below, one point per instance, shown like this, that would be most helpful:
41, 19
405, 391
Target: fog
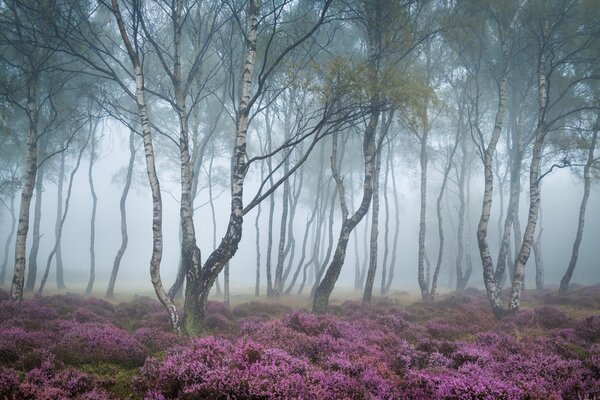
562, 191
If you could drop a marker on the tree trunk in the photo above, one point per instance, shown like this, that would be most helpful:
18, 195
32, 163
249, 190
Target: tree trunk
226, 292
534, 191
368, 291
13, 226
438, 208
320, 264
462, 277
257, 229
587, 182
539, 261
423, 281
325, 287
278, 284
152, 175
200, 281
393, 260
124, 238
16, 289
386, 232
62, 219
90, 285
60, 279
37, 217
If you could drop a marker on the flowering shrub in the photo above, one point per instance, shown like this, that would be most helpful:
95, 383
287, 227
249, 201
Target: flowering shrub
95, 342
77, 348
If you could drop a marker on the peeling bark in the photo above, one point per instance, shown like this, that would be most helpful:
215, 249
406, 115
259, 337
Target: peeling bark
18, 281
151, 169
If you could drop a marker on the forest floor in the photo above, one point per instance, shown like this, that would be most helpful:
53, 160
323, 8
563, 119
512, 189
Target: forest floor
72, 347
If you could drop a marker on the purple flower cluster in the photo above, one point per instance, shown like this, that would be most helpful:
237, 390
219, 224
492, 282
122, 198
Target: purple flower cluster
72, 347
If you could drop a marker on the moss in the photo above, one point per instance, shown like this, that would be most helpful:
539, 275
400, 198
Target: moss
115, 378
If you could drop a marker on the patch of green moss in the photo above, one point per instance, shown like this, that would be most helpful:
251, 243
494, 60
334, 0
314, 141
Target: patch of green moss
115, 378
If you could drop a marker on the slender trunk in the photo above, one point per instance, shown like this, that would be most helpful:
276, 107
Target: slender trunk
257, 229
386, 232
278, 284
90, 285
270, 246
124, 238
13, 226
460, 283
365, 252
213, 213
323, 291
157, 239
438, 208
309, 223
60, 279
393, 260
291, 247
587, 182
63, 218
539, 261
423, 280
320, 264
491, 284
368, 291
534, 191
511, 214
18, 281
37, 217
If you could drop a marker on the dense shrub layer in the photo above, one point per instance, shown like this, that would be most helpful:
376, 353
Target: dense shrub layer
70, 347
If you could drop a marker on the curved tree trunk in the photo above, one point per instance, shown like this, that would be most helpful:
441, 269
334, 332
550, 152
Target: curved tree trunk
587, 182
157, 246
438, 208
90, 285
534, 191
63, 218
110, 291
325, 287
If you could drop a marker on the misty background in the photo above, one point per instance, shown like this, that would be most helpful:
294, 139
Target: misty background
561, 191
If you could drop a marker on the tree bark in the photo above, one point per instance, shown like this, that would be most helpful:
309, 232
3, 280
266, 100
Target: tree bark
90, 285
60, 279
368, 291
13, 226
199, 281
386, 232
393, 260
587, 182
37, 217
18, 281
325, 287
423, 281
110, 291
534, 190
157, 246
